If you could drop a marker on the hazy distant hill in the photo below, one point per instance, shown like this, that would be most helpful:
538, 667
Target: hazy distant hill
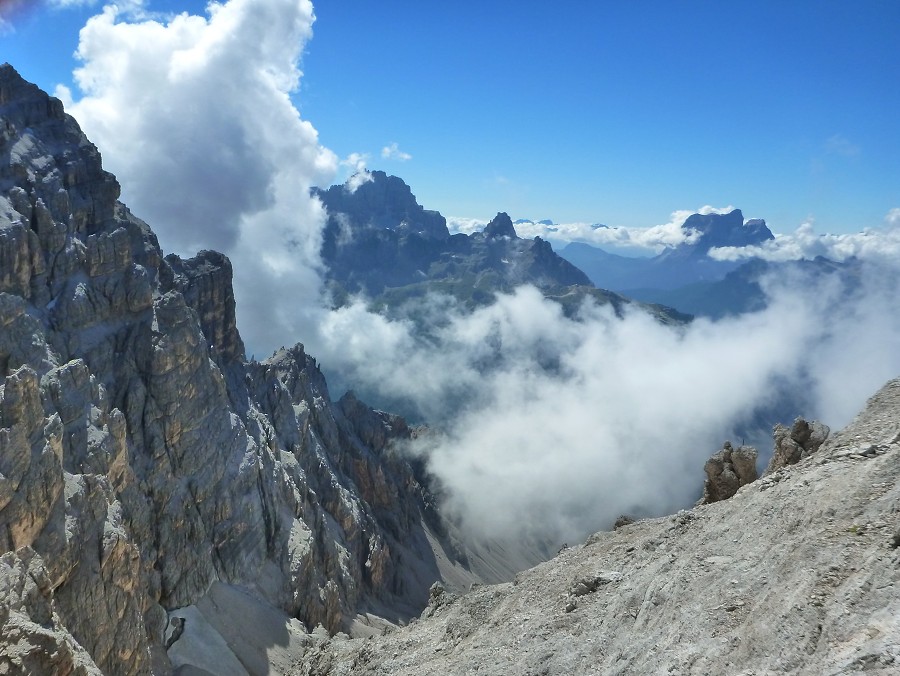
740, 290
676, 266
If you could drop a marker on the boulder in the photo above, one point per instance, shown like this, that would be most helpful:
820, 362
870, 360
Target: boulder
728, 470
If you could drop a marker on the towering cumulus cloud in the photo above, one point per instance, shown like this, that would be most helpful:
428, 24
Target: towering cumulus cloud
193, 115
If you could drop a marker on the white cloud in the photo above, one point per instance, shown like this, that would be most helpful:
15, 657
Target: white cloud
359, 178
551, 427
192, 114
457, 224
131, 8
393, 152
805, 244
356, 162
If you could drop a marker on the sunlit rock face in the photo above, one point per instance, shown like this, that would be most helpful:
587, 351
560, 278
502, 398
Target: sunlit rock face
142, 458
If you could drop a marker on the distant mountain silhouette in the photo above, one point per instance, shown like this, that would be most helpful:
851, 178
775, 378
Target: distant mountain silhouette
687, 263
381, 243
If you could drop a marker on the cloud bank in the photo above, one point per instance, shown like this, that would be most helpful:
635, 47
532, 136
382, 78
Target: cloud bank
644, 241
544, 426
551, 427
805, 244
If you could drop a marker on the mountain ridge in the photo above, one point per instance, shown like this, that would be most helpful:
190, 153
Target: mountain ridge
379, 242
797, 573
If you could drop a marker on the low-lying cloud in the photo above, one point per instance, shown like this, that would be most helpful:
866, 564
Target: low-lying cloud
543, 425
806, 244
554, 426
636, 241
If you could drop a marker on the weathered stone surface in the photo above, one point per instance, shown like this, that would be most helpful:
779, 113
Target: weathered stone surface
500, 226
795, 443
727, 471
205, 283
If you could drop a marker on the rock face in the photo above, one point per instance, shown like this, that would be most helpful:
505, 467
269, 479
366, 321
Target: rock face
144, 463
718, 230
794, 443
727, 471
500, 226
796, 574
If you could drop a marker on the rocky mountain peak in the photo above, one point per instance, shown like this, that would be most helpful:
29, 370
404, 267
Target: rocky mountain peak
500, 226
382, 202
717, 230
13, 87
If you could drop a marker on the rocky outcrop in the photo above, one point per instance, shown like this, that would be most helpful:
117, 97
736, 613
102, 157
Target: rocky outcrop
205, 283
500, 226
380, 202
718, 230
727, 471
796, 442
146, 468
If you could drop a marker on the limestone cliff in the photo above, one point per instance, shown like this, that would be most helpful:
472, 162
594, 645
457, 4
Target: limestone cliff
146, 467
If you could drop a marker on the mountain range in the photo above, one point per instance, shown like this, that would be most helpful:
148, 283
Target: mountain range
380, 243
686, 278
676, 266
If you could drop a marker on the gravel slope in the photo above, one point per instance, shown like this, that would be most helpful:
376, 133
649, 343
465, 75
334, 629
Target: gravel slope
798, 573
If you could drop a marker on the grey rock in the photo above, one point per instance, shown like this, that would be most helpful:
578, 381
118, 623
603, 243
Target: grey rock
500, 226
796, 579
796, 443
622, 520
727, 471
379, 242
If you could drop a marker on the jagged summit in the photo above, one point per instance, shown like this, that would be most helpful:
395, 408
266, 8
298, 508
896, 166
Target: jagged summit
686, 263
500, 226
717, 230
383, 201
379, 242
24, 100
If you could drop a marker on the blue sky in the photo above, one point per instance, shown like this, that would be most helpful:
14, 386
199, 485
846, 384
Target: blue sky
613, 112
